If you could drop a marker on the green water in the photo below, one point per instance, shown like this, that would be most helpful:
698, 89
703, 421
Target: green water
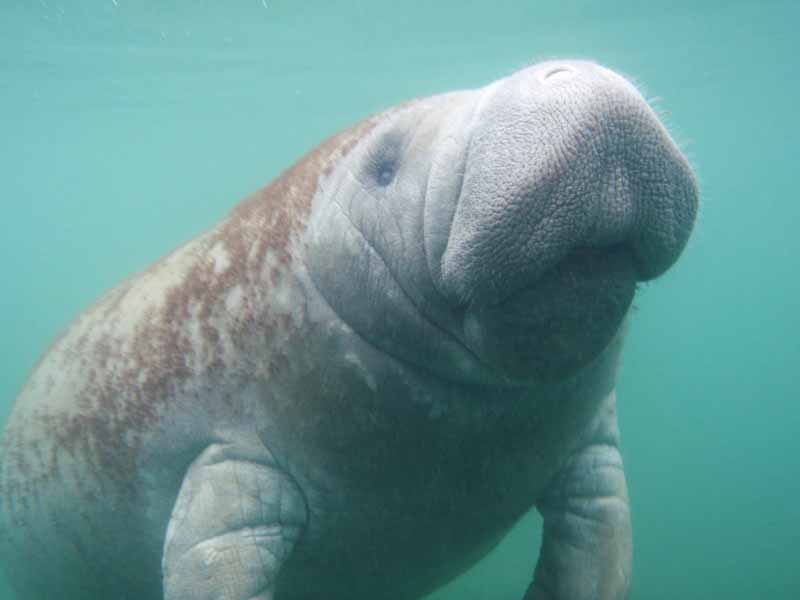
127, 127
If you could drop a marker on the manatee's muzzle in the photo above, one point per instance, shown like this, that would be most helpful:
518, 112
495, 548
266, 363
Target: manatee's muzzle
572, 192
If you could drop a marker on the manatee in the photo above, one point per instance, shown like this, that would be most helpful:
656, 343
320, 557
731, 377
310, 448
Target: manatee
358, 381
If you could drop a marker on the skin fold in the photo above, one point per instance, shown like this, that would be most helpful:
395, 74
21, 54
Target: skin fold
359, 380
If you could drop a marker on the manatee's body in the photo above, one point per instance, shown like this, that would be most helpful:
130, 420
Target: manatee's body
354, 385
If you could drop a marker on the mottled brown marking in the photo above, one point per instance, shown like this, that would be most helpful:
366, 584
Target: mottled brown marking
129, 377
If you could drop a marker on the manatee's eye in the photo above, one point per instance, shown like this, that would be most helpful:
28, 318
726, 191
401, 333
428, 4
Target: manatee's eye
384, 160
385, 173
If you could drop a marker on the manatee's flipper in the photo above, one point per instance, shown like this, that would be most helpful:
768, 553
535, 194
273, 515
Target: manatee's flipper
586, 547
235, 522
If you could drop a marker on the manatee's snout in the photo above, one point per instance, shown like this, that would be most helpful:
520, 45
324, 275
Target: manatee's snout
572, 191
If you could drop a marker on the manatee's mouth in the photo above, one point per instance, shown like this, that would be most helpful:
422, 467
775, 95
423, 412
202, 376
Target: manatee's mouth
561, 322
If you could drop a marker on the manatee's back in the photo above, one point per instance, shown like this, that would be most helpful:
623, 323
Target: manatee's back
62, 533
94, 452
67, 506
92, 456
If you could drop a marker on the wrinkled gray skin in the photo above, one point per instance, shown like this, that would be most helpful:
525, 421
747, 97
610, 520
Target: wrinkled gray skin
358, 382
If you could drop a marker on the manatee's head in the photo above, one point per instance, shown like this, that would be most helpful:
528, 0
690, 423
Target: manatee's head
500, 233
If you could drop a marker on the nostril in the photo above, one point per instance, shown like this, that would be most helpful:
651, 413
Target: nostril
557, 73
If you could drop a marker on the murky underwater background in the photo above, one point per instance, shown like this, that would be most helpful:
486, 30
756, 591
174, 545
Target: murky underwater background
129, 126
